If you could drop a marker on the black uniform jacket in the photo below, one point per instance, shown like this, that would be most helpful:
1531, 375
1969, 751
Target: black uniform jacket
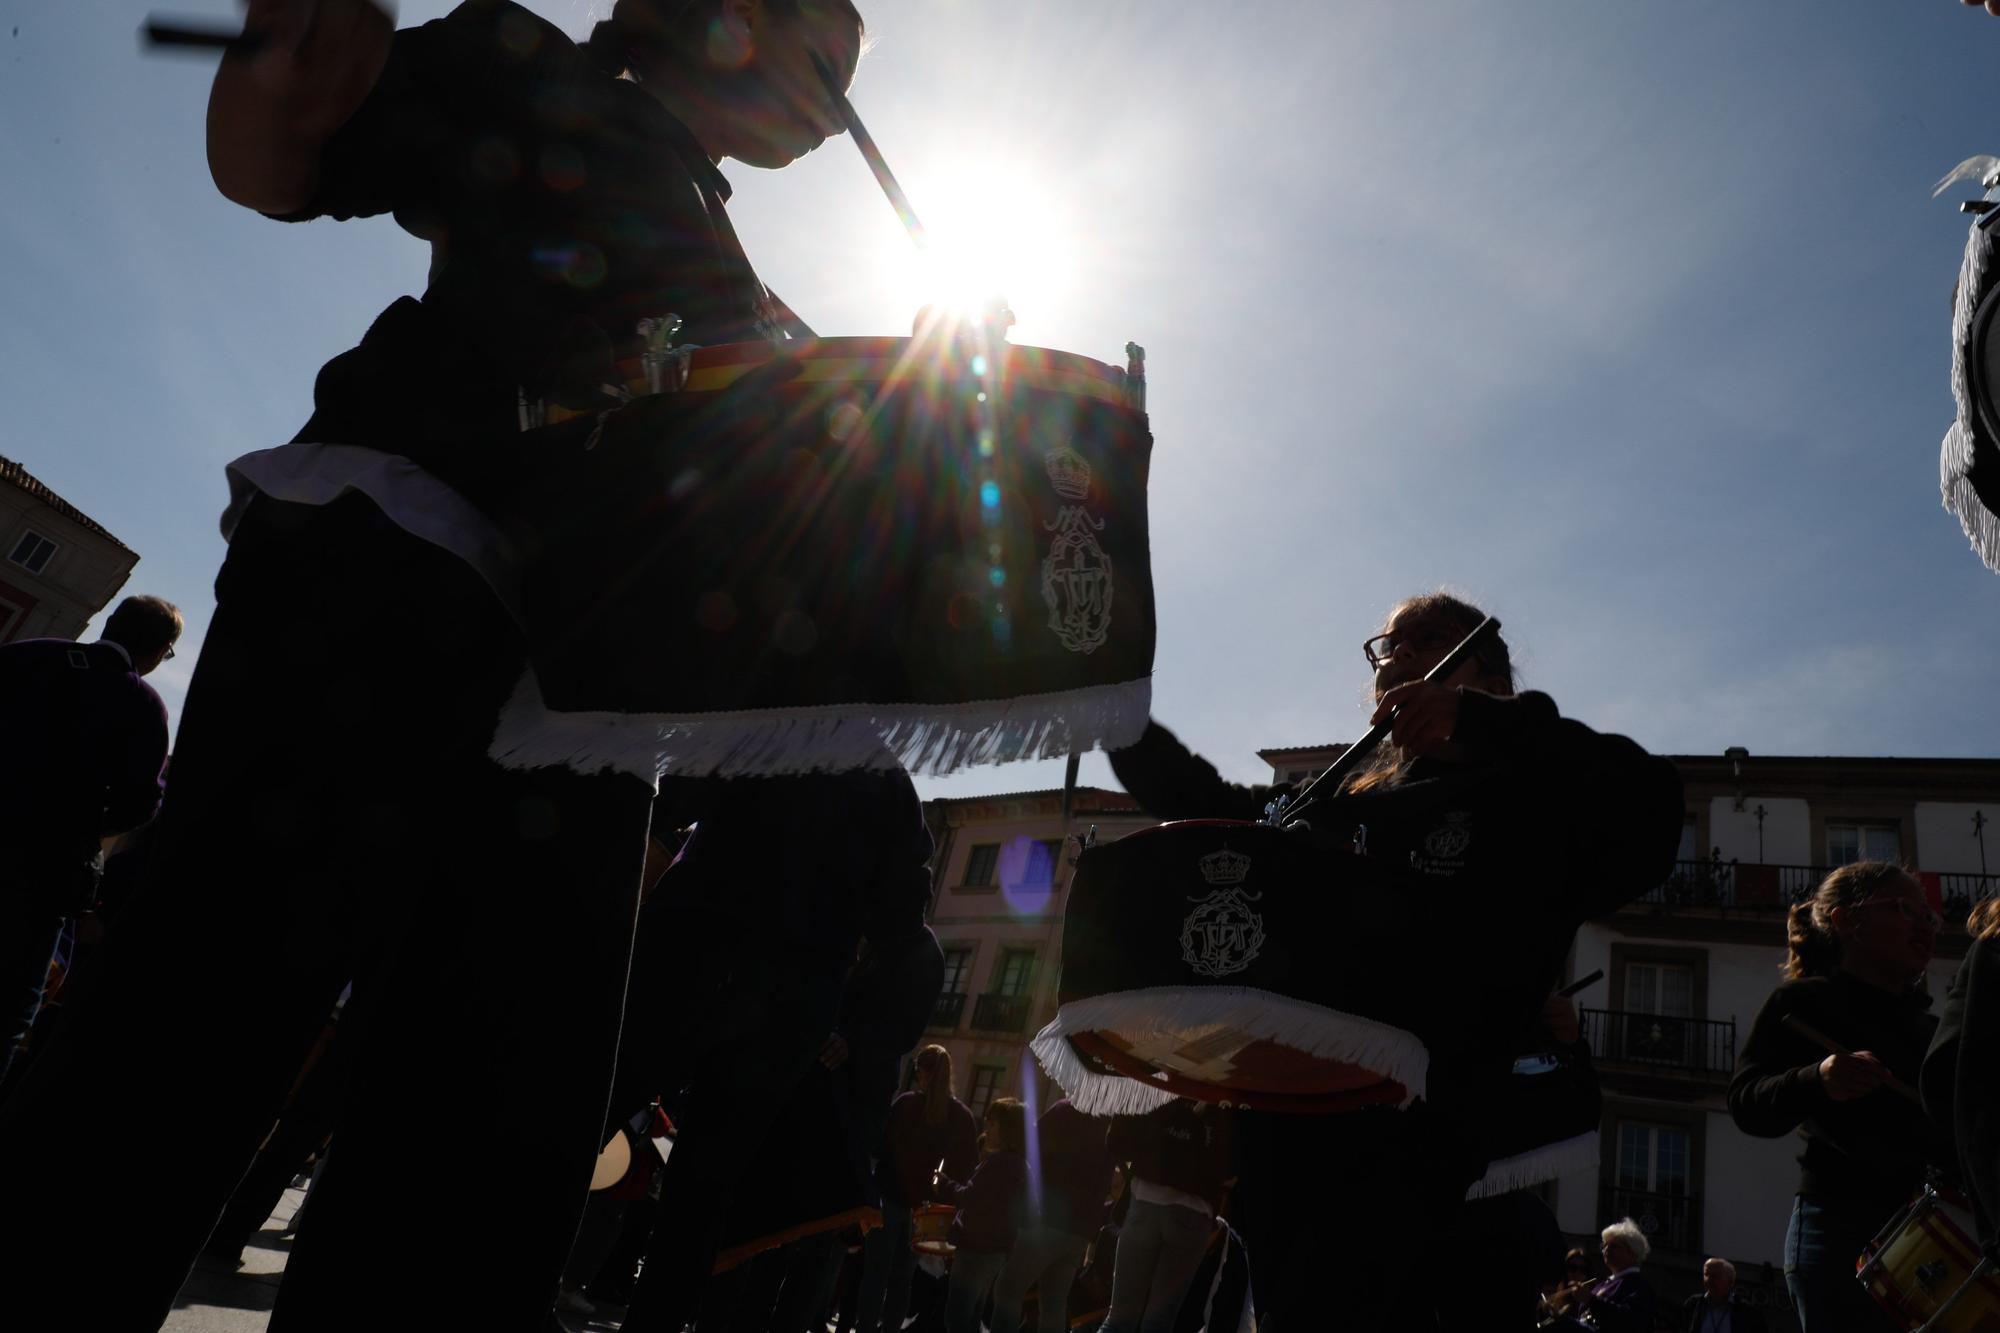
1961, 1082
1871, 1151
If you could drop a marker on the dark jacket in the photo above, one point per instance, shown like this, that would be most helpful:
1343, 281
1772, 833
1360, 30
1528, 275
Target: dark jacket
1076, 1169
1961, 1083
1621, 1304
991, 1206
1871, 1151
1183, 1145
1742, 1318
915, 1147
86, 743
1545, 825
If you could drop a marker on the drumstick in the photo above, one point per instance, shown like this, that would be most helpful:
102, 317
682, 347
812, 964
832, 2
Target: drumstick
159, 31
873, 155
1800, 1027
1582, 983
1351, 757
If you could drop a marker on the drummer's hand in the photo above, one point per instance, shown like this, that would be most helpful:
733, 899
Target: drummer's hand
1427, 718
319, 58
834, 1054
1850, 1076
1559, 1017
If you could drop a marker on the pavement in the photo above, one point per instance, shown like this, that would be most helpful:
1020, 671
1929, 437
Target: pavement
239, 1302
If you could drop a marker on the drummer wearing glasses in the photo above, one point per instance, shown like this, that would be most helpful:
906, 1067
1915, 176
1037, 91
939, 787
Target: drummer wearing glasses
1858, 951
1462, 794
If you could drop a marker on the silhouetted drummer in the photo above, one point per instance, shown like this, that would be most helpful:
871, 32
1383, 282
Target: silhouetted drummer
1462, 796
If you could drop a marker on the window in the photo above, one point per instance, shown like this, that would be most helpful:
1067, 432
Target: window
980, 864
32, 552
985, 1085
1666, 989
1852, 840
957, 970
1044, 856
1688, 850
1017, 966
1653, 1159
1652, 1174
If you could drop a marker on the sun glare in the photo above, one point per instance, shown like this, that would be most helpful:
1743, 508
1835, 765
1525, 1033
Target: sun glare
992, 233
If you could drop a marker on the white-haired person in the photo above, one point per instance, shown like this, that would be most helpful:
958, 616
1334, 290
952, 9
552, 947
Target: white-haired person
1715, 1308
1623, 1302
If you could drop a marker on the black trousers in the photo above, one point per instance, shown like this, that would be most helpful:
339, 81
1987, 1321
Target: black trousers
331, 814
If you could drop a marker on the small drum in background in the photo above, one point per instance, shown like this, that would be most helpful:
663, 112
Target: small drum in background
930, 1230
1927, 1271
1540, 1123
1238, 963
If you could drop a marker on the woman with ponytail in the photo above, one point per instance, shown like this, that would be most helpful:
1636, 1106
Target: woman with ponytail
1854, 975
334, 812
927, 1125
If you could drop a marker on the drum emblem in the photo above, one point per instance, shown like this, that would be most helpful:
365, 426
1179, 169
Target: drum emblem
1076, 573
1451, 838
1222, 935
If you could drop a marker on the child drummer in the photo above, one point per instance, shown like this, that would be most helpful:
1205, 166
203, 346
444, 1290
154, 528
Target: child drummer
333, 810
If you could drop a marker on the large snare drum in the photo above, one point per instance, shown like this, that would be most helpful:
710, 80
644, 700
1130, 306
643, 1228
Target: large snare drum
910, 538
1927, 1270
930, 1229
1237, 963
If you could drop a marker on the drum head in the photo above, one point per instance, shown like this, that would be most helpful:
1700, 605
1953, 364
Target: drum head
612, 1163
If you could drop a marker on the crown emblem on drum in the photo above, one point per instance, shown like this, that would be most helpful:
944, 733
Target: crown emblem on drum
1224, 867
1067, 472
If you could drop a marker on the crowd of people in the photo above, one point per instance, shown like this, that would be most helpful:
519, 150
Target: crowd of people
546, 962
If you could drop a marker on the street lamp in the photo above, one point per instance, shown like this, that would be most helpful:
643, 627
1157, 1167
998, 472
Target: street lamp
1979, 832
1760, 812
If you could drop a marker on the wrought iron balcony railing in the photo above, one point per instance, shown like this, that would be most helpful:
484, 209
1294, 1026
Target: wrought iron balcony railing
1751, 887
950, 1008
1670, 1221
1000, 1013
1659, 1043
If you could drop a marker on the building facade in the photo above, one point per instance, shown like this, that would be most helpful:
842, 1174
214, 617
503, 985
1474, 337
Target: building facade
58, 566
1687, 966
1001, 873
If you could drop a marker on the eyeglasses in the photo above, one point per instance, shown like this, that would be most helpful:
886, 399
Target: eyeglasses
170, 654
1383, 647
1918, 912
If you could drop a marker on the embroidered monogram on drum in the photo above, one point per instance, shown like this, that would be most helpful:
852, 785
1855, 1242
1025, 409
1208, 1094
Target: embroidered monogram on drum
1444, 846
1076, 573
1222, 935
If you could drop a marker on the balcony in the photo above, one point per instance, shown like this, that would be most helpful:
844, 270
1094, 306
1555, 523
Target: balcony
1670, 1221
1000, 1013
1731, 886
950, 1008
1659, 1045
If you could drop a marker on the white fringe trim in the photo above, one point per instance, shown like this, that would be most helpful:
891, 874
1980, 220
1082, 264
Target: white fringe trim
1257, 1014
1535, 1166
932, 739
1982, 527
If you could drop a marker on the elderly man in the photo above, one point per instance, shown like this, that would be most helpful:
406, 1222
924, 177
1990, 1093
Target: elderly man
1623, 1302
1716, 1309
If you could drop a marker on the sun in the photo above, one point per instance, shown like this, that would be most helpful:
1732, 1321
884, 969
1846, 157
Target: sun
992, 232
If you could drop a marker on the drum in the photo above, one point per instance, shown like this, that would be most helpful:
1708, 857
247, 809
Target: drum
1238, 963
1927, 1270
936, 543
612, 1163
930, 1229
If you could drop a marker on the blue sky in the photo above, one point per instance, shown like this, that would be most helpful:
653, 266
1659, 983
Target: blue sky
1629, 321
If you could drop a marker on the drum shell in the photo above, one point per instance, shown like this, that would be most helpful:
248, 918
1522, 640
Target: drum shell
870, 530
1927, 1257
1331, 928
